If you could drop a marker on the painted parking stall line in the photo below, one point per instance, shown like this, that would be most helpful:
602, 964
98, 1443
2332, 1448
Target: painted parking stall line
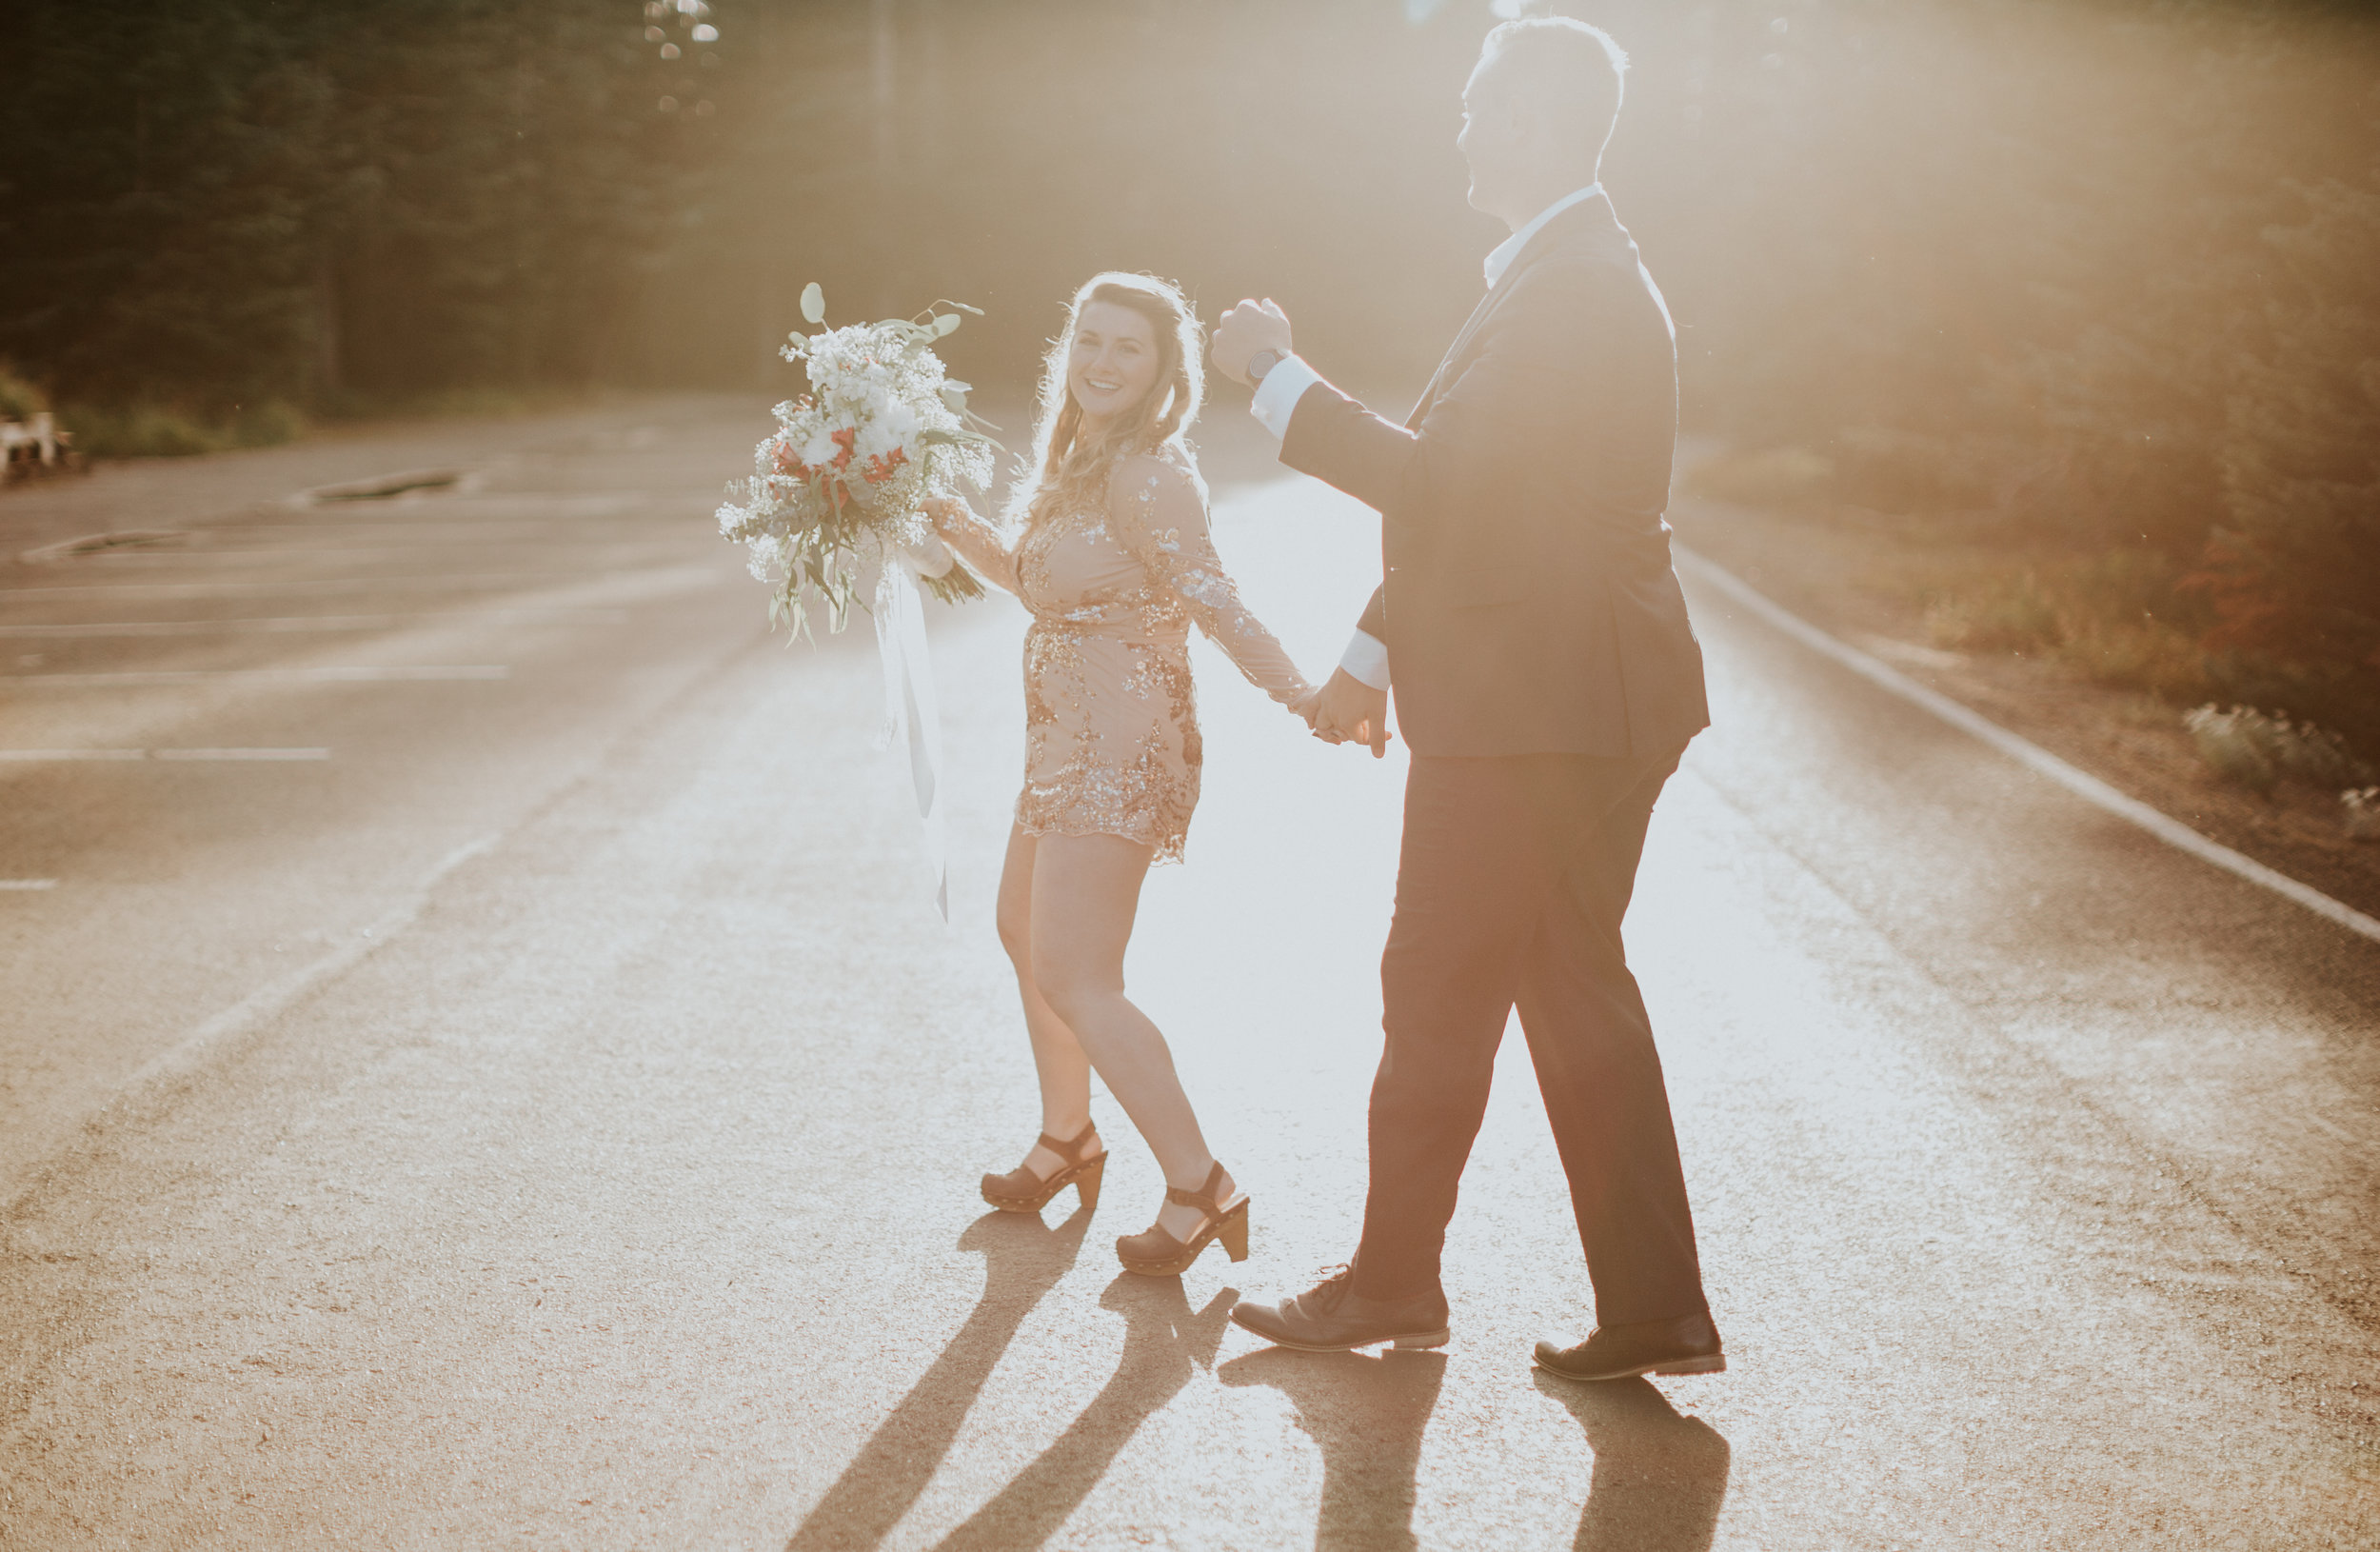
305, 586
268, 756
307, 624
334, 675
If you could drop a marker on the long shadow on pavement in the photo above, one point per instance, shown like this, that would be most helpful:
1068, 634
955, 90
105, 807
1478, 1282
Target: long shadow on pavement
1367, 1415
1023, 1259
1166, 1343
1659, 1479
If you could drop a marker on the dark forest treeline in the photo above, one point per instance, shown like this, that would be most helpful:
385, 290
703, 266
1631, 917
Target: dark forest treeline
2089, 280
219, 203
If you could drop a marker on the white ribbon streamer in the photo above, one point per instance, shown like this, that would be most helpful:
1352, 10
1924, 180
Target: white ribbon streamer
912, 720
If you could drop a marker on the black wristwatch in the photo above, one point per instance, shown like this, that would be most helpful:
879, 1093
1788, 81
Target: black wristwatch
1263, 362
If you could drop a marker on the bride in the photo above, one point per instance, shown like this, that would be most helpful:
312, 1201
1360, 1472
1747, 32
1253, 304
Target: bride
1112, 557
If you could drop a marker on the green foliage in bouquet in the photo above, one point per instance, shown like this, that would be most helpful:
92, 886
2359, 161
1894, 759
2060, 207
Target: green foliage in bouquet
882, 431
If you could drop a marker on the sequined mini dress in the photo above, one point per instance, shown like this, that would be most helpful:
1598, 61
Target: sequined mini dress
1112, 744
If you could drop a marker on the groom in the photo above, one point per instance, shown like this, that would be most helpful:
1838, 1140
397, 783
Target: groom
1547, 680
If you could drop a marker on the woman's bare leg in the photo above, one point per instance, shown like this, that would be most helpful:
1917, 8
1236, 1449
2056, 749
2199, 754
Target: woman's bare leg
1064, 1071
1087, 890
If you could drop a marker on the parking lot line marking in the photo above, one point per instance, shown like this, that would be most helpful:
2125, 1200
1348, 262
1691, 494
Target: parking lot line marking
300, 624
267, 1002
134, 677
296, 584
43, 756
174, 560
25, 885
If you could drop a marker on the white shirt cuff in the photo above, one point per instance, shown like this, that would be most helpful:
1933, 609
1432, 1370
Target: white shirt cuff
1276, 396
1366, 657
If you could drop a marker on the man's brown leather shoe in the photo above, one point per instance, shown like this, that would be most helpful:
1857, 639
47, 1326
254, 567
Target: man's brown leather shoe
1331, 1317
1687, 1345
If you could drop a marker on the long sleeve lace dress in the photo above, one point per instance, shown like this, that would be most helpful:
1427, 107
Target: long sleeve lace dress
1112, 743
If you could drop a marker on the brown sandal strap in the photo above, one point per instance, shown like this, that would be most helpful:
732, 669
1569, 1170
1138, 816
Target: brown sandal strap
1070, 1150
1202, 1200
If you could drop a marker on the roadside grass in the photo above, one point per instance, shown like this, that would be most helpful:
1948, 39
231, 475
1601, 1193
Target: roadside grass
146, 430
157, 430
2119, 617
19, 398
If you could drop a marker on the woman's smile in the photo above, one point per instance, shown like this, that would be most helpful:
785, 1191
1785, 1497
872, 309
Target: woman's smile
1113, 362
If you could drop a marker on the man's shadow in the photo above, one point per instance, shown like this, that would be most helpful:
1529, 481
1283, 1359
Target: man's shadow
1659, 1479
1367, 1415
1023, 1259
1165, 1343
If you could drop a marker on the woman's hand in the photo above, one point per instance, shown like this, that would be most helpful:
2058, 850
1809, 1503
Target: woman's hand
1347, 710
956, 527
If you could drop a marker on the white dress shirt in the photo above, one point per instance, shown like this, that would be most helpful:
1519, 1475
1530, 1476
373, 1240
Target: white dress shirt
1276, 401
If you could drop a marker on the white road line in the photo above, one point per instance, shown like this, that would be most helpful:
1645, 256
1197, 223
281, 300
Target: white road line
103, 563
2025, 752
300, 624
186, 1055
25, 885
316, 584
254, 676
227, 556
49, 756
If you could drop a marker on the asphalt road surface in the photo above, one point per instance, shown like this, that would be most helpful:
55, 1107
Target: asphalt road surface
479, 1068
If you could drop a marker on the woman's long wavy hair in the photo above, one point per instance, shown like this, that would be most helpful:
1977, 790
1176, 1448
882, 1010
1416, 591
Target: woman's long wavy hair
1070, 465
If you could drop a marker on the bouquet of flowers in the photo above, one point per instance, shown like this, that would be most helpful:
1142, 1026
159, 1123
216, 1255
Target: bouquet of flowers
881, 430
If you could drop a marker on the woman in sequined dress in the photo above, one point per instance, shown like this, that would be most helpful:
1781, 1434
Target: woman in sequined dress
1113, 558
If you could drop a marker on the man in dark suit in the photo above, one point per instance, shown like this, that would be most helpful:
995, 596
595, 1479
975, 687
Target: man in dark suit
1547, 680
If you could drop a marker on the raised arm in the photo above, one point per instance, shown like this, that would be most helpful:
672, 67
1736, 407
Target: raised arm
1554, 379
1160, 515
977, 541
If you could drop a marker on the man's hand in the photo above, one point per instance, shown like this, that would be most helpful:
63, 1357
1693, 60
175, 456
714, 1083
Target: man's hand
1244, 331
1348, 711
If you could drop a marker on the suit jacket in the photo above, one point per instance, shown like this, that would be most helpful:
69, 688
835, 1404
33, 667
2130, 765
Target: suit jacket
1529, 606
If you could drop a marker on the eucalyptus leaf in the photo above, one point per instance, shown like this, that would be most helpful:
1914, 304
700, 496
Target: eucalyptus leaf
945, 324
813, 303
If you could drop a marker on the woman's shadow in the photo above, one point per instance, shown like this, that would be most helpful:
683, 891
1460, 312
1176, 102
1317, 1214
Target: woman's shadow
1023, 1259
1166, 1343
1659, 1479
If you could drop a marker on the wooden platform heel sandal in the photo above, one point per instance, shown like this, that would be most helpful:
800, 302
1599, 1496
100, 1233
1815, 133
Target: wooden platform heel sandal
1021, 1190
1159, 1254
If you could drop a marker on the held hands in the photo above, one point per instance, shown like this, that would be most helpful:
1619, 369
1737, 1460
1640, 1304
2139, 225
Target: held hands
1244, 331
1347, 710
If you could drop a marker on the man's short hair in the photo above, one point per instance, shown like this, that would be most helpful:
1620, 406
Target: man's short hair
1568, 67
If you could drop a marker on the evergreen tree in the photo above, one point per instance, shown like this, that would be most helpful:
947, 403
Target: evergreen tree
2295, 571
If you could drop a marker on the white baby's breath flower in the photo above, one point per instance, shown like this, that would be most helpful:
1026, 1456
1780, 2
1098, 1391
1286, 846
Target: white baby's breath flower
878, 401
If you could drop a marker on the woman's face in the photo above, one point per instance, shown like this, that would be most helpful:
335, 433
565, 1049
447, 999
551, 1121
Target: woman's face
1113, 362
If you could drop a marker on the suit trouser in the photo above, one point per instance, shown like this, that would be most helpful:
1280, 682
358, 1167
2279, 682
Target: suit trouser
1515, 873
